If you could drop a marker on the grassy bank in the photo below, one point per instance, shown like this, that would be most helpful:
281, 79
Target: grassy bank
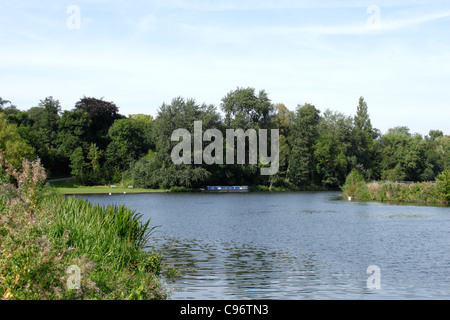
57, 248
68, 187
432, 193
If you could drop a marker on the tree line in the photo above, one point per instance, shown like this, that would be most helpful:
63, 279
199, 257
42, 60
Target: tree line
317, 150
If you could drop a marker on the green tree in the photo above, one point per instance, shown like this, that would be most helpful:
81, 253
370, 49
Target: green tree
331, 161
436, 148
303, 136
77, 164
443, 181
333, 149
402, 156
73, 131
3, 102
181, 113
244, 109
353, 181
44, 119
364, 148
129, 142
94, 172
13, 145
282, 120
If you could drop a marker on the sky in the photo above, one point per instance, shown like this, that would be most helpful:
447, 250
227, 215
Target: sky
140, 54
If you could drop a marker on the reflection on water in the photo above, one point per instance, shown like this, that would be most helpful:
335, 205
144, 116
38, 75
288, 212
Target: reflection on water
296, 245
239, 271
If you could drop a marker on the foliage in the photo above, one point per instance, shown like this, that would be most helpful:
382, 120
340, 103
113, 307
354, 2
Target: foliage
317, 150
244, 109
353, 181
13, 145
102, 115
443, 182
420, 192
303, 135
181, 189
43, 234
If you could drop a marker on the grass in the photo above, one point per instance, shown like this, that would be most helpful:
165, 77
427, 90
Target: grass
44, 236
68, 187
387, 191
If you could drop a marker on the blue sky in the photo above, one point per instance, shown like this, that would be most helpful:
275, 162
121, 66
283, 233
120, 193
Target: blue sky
140, 54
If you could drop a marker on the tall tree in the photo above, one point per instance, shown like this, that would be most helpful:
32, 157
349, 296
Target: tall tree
73, 130
3, 102
102, 114
303, 136
244, 109
402, 156
363, 141
78, 165
44, 119
128, 143
332, 150
180, 114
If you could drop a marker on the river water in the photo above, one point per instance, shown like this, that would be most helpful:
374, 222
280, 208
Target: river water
299, 245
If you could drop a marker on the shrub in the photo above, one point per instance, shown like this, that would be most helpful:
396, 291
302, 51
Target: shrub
181, 189
443, 185
353, 181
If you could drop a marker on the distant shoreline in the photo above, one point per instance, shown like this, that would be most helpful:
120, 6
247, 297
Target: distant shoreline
66, 186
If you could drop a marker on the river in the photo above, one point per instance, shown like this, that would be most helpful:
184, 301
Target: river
299, 245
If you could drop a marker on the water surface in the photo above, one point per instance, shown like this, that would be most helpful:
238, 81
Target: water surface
296, 245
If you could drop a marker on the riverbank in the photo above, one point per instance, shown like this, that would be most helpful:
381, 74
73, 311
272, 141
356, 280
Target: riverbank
427, 193
58, 248
68, 187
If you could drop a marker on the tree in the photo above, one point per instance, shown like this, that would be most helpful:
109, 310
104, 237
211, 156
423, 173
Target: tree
402, 155
13, 145
303, 136
244, 109
129, 142
181, 113
102, 115
330, 161
3, 102
332, 151
353, 181
44, 120
73, 130
47, 124
77, 164
363, 140
282, 120
94, 172
362, 120
443, 185
433, 135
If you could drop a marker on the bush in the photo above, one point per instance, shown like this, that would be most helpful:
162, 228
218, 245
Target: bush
443, 185
181, 189
423, 192
353, 181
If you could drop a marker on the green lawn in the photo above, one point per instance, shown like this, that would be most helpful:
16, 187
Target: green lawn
68, 187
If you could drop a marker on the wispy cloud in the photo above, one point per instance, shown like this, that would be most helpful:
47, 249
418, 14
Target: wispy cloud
361, 28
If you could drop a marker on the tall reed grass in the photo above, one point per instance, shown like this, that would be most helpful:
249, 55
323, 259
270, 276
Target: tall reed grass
113, 235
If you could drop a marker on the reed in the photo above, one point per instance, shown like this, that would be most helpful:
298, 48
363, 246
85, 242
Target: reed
113, 235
